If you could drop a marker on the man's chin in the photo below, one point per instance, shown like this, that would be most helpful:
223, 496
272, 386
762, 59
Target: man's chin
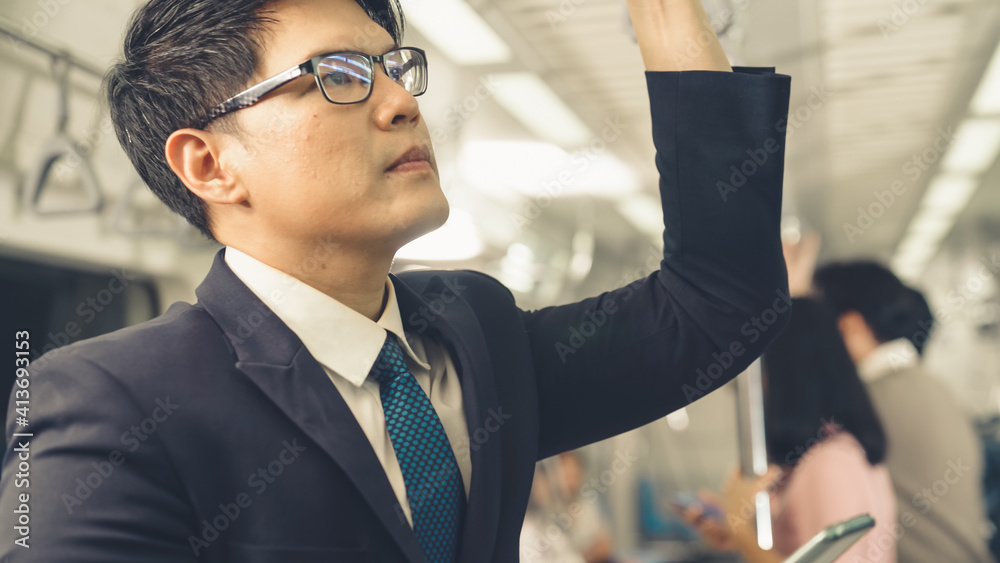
431, 220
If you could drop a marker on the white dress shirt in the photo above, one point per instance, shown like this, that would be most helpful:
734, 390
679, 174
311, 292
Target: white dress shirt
888, 358
346, 344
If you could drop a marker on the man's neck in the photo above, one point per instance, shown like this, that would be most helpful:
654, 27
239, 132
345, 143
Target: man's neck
355, 279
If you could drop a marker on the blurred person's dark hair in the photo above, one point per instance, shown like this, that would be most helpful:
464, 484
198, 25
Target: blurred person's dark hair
181, 58
811, 383
890, 308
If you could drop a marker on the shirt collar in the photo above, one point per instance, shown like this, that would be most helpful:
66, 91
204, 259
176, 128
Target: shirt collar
340, 338
888, 358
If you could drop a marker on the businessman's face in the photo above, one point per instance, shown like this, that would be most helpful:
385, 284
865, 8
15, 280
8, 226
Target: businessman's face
317, 170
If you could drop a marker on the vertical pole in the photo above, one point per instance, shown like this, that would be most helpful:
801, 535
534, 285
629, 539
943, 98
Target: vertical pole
753, 448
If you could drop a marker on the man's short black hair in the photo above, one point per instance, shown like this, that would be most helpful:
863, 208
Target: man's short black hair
181, 58
890, 308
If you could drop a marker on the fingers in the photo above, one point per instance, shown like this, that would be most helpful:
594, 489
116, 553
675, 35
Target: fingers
709, 498
768, 480
716, 535
694, 514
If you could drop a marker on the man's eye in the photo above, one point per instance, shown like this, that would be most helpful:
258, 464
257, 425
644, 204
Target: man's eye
339, 79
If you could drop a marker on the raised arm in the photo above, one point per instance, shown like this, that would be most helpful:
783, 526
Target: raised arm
629, 356
676, 35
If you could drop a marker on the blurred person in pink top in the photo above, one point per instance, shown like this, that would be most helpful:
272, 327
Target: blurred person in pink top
826, 446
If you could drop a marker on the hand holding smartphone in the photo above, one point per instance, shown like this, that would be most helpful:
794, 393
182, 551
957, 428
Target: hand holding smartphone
686, 501
707, 517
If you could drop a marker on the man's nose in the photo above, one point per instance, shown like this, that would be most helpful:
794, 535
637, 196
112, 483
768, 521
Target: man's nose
395, 105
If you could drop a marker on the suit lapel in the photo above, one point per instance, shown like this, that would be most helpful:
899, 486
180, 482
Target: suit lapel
460, 331
275, 360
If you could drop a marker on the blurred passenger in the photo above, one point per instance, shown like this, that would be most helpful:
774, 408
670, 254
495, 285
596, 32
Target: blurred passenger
825, 445
542, 540
935, 457
563, 522
586, 525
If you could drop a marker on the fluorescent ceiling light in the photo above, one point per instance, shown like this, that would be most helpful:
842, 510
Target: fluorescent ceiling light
512, 170
909, 269
791, 229
987, 98
906, 272
458, 239
919, 246
976, 146
927, 223
924, 236
457, 30
949, 194
678, 420
645, 213
583, 256
603, 175
517, 267
529, 99
974, 151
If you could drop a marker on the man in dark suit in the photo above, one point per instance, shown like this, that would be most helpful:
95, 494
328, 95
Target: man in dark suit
310, 407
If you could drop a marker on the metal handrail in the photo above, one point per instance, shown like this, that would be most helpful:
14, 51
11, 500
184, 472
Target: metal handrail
9, 29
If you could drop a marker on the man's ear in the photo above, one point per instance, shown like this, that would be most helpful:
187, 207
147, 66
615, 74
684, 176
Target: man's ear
194, 155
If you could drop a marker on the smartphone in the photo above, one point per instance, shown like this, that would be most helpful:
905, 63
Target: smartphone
831, 543
685, 501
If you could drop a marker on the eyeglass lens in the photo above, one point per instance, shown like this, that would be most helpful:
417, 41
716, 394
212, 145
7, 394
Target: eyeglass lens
347, 77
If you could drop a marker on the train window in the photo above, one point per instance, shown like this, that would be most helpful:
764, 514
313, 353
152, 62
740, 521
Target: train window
61, 305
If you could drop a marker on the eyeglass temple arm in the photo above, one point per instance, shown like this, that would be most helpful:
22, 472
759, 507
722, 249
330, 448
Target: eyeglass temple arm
251, 95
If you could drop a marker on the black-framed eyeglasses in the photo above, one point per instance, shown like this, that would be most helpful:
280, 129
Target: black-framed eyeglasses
344, 77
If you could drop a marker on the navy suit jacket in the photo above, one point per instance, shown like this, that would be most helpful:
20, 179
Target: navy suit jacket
211, 434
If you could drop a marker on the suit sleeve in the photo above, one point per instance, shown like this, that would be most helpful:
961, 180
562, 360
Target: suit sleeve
97, 492
720, 294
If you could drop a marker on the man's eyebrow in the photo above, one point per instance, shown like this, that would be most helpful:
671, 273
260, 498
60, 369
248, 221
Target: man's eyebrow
350, 48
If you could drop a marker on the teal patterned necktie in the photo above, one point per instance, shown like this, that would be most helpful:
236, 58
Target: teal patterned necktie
434, 487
